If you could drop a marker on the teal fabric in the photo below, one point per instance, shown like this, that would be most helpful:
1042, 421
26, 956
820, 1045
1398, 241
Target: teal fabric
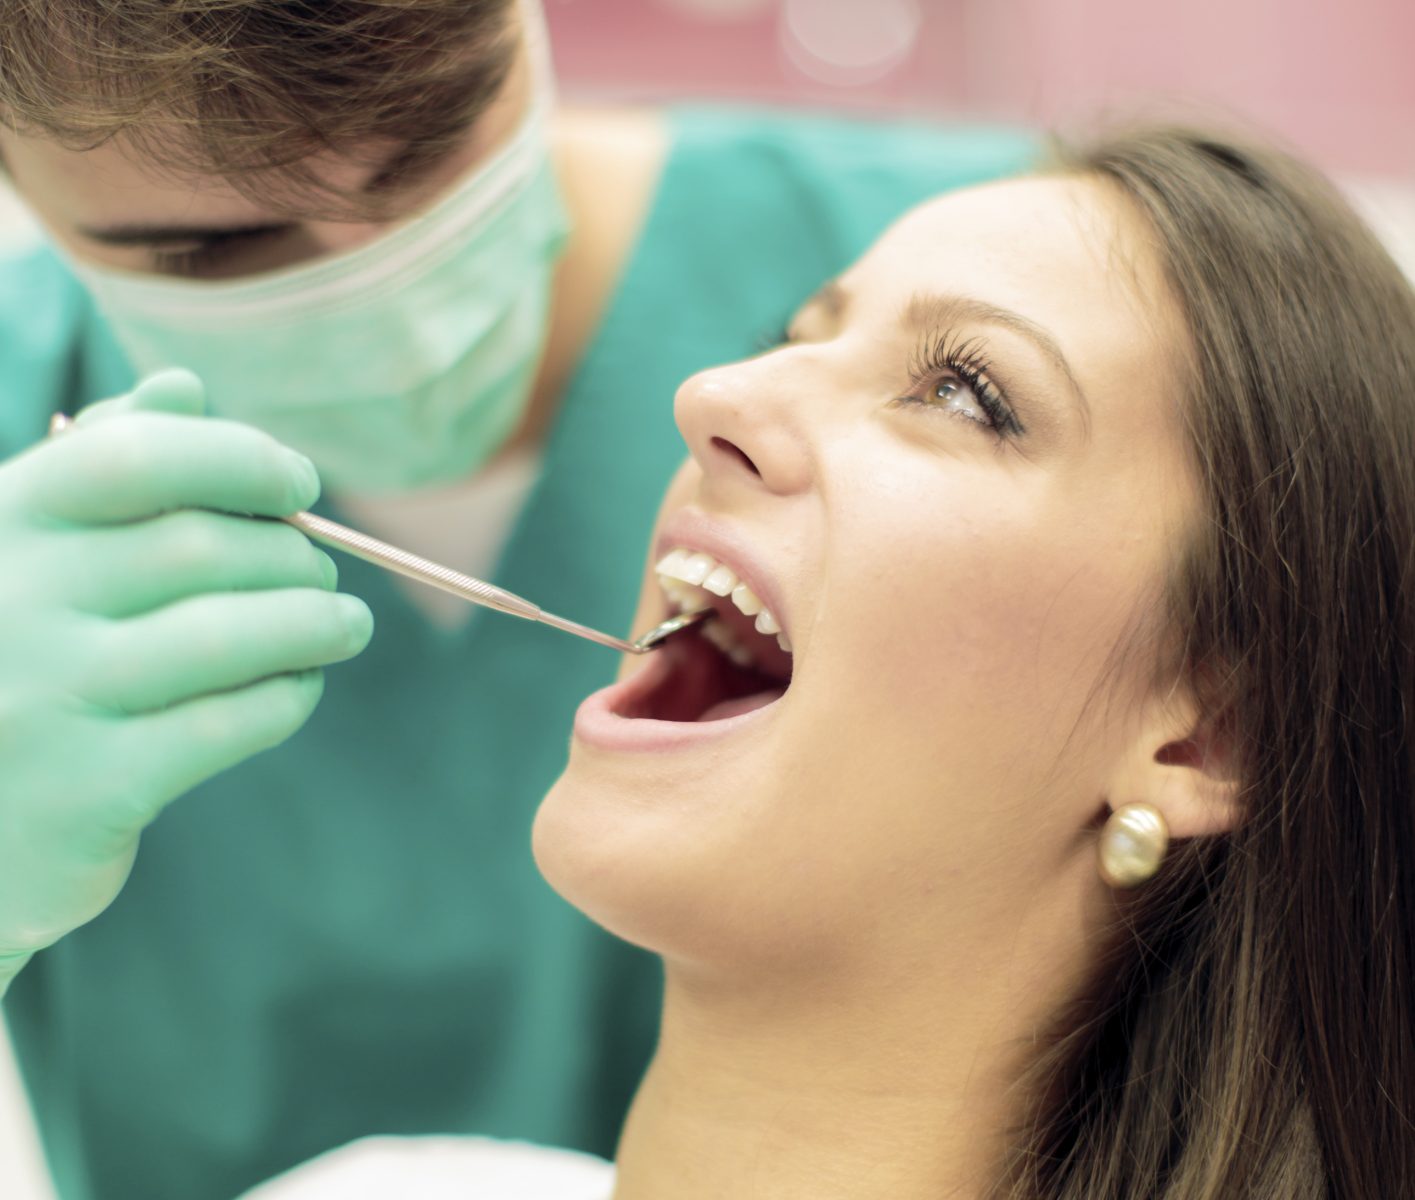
347, 935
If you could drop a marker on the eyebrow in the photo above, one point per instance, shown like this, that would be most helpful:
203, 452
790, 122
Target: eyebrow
404, 168
931, 310
167, 235
403, 171
407, 166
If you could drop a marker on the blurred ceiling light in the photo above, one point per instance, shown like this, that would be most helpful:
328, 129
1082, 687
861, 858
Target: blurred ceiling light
849, 42
722, 10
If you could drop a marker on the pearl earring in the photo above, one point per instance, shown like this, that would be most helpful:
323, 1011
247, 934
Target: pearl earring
1132, 845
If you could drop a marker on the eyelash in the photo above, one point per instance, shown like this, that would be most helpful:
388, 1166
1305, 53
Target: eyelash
942, 354
190, 262
946, 354
210, 253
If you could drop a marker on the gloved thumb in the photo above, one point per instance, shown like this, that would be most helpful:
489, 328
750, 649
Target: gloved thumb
171, 390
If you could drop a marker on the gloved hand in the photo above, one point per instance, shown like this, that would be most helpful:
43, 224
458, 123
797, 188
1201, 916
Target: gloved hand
148, 638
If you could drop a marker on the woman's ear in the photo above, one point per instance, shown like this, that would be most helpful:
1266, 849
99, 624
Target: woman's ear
1185, 764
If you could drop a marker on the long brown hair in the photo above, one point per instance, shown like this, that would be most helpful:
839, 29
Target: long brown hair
1253, 1032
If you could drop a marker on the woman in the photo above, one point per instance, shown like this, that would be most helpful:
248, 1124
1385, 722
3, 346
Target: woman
1083, 505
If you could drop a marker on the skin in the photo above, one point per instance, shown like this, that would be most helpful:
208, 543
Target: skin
79, 193
870, 899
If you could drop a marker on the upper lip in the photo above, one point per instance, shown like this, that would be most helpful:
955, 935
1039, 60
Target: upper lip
693, 529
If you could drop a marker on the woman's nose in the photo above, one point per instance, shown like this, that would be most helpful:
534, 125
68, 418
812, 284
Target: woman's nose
742, 426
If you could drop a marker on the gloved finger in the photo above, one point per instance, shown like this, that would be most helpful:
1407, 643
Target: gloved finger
174, 390
141, 464
180, 747
214, 643
124, 570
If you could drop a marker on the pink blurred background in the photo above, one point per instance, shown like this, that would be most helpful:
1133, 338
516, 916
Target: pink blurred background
1336, 80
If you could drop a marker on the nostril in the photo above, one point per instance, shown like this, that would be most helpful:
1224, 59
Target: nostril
736, 452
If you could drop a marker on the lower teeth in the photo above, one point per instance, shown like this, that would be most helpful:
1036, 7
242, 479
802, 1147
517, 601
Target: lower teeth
722, 636
717, 631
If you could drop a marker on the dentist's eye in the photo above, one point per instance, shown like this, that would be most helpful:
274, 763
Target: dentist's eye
216, 252
952, 376
191, 262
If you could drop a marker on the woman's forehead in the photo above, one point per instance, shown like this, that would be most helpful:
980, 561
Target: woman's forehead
1034, 234
1067, 253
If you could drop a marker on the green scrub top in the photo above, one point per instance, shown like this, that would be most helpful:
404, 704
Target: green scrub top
347, 935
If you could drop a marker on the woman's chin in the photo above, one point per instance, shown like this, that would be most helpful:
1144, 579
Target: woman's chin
607, 857
717, 910
651, 874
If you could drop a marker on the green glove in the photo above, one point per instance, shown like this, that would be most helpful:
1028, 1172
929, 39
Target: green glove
148, 638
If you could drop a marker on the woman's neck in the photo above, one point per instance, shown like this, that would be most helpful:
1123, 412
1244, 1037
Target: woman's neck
868, 1098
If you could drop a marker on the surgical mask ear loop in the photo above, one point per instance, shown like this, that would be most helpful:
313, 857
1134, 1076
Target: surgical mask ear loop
1132, 845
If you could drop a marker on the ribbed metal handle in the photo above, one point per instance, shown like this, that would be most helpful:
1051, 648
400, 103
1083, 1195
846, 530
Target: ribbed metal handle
414, 566
370, 549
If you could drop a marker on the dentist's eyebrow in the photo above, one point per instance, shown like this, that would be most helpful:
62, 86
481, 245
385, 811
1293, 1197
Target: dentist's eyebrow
404, 169
171, 235
933, 311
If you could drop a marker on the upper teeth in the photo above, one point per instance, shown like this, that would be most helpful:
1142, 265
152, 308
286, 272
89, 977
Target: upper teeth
683, 571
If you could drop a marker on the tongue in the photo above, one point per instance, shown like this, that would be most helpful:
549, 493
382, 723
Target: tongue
741, 704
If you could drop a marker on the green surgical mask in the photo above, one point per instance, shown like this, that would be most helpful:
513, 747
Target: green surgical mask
407, 361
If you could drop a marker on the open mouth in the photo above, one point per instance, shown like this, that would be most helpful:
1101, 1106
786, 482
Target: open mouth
737, 662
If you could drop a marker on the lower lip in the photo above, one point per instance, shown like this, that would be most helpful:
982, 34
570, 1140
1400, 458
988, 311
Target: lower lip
598, 724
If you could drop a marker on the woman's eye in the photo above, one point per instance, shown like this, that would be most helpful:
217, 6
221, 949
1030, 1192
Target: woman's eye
953, 394
960, 397
954, 378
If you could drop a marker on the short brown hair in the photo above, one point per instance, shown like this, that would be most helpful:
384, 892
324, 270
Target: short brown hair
251, 89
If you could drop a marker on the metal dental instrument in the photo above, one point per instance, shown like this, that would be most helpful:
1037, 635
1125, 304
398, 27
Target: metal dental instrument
478, 592
381, 554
